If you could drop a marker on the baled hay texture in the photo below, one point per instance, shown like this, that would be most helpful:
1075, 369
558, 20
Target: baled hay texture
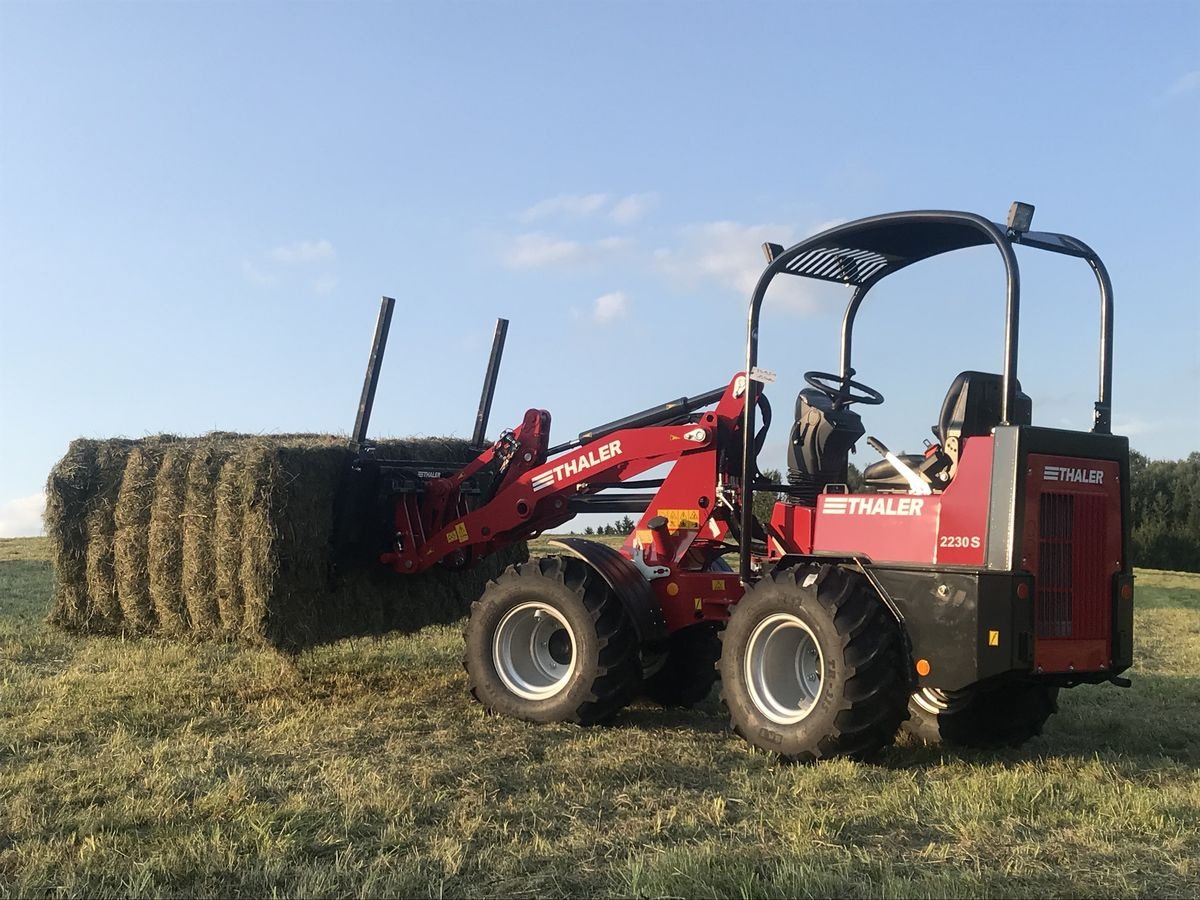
167, 524
231, 536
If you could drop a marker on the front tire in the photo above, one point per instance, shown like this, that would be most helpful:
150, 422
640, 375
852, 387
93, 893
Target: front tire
1003, 716
811, 666
549, 641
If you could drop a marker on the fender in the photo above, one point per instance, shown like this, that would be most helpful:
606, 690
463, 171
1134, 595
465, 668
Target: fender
627, 583
862, 565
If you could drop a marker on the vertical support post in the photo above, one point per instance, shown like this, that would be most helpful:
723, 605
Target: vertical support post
489, 384
374, 364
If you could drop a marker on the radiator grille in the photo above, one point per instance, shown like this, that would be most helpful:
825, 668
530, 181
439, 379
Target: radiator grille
1055, 529
1072, 594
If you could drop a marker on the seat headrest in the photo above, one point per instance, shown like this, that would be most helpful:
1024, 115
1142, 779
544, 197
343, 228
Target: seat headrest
812, 397
972, 405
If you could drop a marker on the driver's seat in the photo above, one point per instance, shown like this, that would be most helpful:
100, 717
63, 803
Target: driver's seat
971, 409
819, 448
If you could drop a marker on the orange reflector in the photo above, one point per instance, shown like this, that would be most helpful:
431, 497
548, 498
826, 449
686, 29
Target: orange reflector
922, 667
1023, 590
672, 589
1127, 591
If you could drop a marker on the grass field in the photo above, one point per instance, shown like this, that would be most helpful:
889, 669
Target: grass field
150, 768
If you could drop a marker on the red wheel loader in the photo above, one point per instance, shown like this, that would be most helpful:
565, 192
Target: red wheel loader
954, 594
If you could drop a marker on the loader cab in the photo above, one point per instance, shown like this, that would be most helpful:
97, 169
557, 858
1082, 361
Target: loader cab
977, 406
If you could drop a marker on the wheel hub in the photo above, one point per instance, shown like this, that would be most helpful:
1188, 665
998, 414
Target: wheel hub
938, 702
784, 668
533, 649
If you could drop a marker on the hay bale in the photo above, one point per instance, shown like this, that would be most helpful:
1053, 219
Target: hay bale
258, 482
199, 557
232, 536
228, 539
165, 541
67, 493
81, 495
131, 542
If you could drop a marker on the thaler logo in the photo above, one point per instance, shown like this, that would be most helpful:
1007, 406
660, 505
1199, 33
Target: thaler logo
873, 506
574, 466
1076, 476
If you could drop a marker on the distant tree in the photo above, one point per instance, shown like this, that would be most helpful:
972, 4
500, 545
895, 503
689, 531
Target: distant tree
625, 526
854, 479
764, 501
1164, 512
589, 530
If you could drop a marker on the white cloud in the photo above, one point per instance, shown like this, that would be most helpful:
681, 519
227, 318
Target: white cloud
1136, 427
621, 210
610, 307
1187, 83
303, 252
257, 275
272, 267
536, 250
730, 254
629, 209
22, 517
565, 205
726, 252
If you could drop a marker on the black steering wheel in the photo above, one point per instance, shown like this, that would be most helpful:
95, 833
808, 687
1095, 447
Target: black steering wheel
838, 389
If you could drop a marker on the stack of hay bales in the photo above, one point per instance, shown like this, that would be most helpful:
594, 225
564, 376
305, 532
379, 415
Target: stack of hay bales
230, 537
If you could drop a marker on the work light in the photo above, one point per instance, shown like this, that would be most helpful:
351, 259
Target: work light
1020, 217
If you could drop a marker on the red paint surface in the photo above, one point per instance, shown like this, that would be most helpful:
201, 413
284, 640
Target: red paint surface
1071, 542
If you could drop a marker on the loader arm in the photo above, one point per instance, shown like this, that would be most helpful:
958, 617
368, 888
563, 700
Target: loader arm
533, 493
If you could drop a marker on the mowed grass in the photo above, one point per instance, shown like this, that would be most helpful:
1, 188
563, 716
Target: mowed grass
149, 768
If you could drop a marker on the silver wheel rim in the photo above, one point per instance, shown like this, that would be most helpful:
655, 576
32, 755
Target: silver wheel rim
784, 668
534, 651
937, 702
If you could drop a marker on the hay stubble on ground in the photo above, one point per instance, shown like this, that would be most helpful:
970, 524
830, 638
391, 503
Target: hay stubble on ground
154, 767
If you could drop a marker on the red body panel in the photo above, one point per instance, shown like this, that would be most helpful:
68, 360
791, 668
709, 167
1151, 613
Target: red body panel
940, 529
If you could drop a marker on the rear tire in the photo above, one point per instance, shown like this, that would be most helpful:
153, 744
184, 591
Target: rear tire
811, 666
549, 641
690, 670
1004, 716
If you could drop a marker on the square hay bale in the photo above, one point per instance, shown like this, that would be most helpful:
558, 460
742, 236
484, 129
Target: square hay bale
230, 537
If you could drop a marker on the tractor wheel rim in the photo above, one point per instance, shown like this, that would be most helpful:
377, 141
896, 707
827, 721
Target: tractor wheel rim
534, 651
937, 702
784, 668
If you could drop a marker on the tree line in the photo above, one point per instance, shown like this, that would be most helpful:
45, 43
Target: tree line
1164, 507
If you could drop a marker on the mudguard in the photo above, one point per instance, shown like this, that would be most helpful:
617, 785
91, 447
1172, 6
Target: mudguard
626, 581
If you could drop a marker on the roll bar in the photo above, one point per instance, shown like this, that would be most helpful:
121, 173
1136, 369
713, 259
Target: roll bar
864, 252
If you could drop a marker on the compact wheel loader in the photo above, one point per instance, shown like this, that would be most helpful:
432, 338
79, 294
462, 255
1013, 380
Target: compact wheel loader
954, 594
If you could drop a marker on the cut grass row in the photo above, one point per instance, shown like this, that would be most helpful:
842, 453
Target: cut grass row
151, 768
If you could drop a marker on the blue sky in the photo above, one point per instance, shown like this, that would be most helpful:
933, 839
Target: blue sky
201, 203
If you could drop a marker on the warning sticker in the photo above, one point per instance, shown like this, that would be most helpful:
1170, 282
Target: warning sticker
457, 535
993, 639
680, 518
